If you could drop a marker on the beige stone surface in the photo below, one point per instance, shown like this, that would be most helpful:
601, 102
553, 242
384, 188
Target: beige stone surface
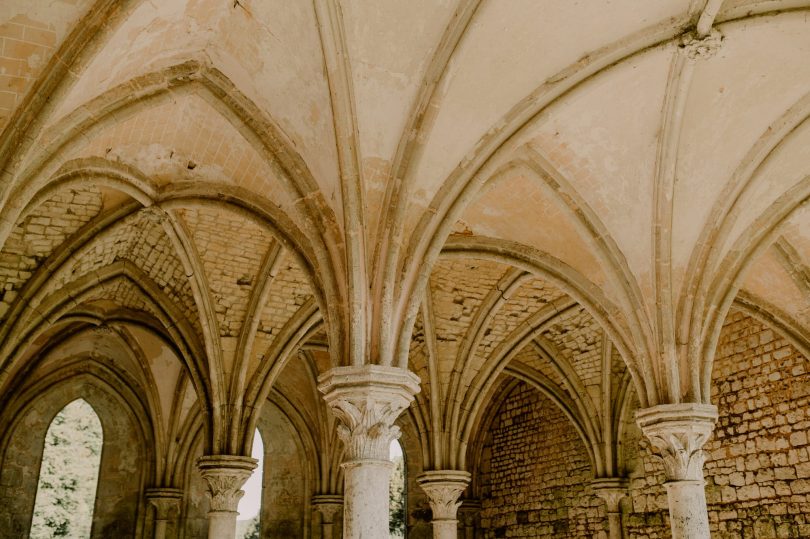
552, 214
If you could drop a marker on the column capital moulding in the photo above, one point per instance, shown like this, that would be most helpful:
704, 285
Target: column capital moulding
328, 505
367, 400
225, 476
611, 490
165, 500
678, 432
443, 488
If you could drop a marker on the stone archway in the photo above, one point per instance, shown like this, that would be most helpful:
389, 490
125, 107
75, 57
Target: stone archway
119, 509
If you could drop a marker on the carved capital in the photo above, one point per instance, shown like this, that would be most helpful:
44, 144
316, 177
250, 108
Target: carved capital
678, 432
701, 48
611, 490
166, 501
366, 401
225, 476
329, 505
443, 488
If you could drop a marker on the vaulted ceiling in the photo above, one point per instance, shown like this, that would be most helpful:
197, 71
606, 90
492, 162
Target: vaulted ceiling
465, 187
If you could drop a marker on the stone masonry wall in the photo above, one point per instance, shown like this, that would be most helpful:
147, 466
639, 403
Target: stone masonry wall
758, 467
535, 470
645, 513
535, 473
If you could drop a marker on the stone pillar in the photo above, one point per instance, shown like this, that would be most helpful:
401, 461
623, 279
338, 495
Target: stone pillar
443, 488
328, 505
612, 490
366, 401
166, 502
470, 512
678, 432
225, 476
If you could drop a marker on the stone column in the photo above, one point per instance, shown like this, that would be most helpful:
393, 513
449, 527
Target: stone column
443, 488
366, 401
225, 476
612, 490
470, 512
678, 432
166, 502
328, 505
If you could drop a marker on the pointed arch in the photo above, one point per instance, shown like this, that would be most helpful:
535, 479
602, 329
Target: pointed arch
55, 309
68, 473
318, 222
127, 429
569, 281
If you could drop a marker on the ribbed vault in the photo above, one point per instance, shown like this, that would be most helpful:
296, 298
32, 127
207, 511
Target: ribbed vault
240, 195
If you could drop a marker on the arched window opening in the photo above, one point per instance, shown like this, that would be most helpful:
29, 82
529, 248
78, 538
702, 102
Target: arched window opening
397, 493
248, 524
68, 475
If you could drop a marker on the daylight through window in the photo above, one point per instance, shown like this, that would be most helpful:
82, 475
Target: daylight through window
68, 476
397, 492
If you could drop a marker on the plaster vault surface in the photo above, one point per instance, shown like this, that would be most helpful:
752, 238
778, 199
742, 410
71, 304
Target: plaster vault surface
560, 249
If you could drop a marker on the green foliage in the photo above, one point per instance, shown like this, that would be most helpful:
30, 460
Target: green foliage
252, 529
68, 475
396, 498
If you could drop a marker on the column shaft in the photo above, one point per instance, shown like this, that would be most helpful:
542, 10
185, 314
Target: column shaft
326, 529
160, 529
222, 524
166, 501
615, 526
366, 401
363, 482
688, 515
469, 511
328, 505
445, 529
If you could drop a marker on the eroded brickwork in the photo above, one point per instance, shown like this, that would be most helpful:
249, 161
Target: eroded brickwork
536, 472
458, 289
578, 338
39, 233
526, 301
646, 513
288, 291
231, 250
142, 242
